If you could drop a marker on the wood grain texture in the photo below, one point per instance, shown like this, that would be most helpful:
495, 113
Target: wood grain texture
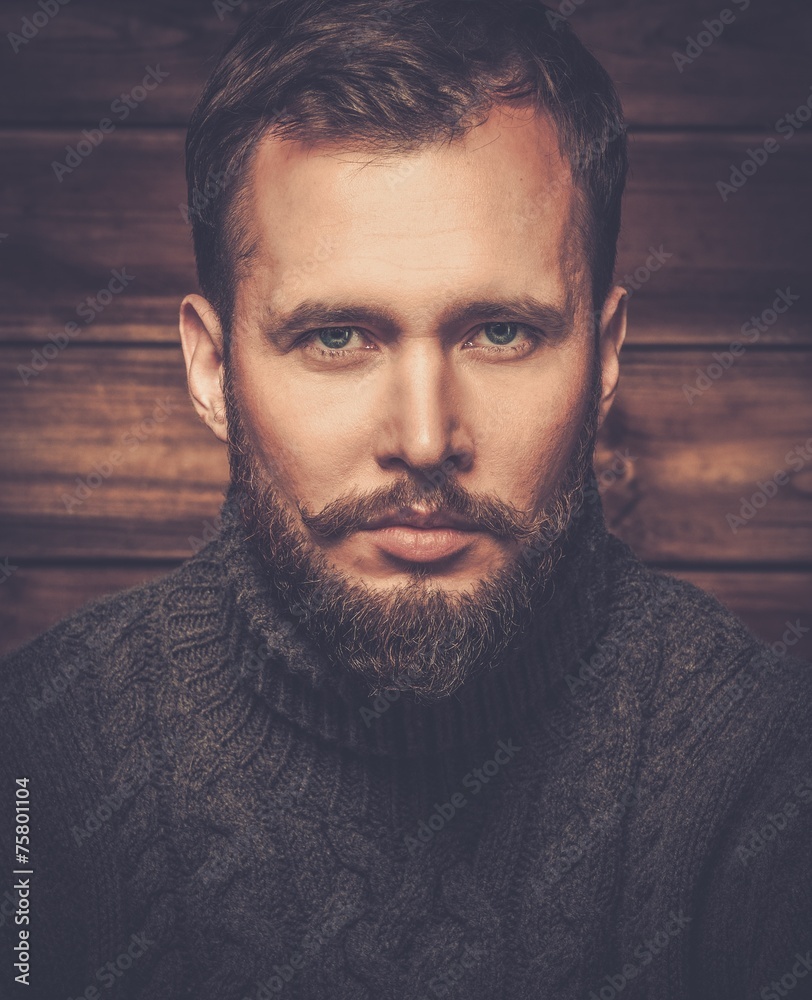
108, 435
35, 597
693, 464
108, 459
755, 71
119, 209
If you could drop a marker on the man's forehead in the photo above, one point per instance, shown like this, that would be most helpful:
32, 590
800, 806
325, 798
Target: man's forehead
499, 203
528, 141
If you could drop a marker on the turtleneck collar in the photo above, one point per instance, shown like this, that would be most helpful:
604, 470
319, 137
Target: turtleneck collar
275, 658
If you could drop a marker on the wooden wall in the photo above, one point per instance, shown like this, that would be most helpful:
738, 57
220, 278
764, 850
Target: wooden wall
109, 405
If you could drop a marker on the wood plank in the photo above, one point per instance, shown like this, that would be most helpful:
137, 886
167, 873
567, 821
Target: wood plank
729, 255
91, 52
36, 597
128, 432
120, 210
756, 71
697, 459
120, 417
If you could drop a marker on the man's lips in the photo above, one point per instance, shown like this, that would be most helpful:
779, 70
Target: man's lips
418, 537
417, 519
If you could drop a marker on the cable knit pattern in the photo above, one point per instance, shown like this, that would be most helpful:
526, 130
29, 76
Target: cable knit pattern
209, 782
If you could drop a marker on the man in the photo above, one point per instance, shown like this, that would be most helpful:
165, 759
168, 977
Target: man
414, 724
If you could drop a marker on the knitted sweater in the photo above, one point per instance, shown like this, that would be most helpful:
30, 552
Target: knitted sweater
622, 808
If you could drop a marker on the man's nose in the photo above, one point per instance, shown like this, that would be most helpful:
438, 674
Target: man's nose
426, 408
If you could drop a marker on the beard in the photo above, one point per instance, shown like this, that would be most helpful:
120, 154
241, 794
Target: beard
416, 638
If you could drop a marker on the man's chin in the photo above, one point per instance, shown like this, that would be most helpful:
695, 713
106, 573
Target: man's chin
417, 638
417, 580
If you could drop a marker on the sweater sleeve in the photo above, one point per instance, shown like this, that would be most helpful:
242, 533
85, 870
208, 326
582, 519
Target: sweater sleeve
755, 934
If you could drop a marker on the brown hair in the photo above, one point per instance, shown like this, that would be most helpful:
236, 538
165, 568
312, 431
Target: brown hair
395, 76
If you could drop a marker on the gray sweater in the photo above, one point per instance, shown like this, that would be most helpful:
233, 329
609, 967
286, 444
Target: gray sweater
217, 811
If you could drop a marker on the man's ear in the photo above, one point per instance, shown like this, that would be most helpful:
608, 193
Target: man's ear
201, 337
611, 337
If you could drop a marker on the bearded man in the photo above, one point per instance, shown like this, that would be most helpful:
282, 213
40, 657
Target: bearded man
414, 724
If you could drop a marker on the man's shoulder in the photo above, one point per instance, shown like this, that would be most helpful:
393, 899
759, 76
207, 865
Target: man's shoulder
723, 811
720, 710
691, 626
125, 625
689, 653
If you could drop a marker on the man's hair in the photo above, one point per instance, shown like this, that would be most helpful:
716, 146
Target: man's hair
394, 77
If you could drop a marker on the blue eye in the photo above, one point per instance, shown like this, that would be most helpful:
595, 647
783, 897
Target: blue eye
516, 338
335, 336
501, 333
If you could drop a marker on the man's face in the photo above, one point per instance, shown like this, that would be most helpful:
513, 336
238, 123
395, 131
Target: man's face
405, 345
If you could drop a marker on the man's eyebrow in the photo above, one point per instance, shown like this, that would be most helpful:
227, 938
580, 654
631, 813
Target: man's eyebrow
311, 314
552, 320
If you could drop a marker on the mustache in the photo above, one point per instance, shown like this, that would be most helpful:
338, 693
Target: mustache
346, 514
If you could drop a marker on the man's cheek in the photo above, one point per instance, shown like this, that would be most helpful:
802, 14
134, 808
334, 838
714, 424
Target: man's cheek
318, 471
278, 453
487, 420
